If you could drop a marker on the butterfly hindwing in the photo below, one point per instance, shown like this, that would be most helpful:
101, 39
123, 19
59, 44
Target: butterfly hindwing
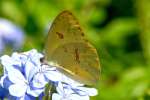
78, 60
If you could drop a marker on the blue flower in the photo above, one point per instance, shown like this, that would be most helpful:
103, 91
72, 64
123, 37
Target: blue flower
69, 89
44, 74
10, 34
66, 92
25, 77
20, 72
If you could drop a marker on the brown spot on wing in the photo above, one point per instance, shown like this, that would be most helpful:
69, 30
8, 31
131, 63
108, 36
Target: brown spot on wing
78, 27
82, 34
60, 35
65, 49
77, 55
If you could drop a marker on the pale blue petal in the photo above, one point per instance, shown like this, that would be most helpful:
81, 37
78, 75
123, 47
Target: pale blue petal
16, 57
87, 91
30, 52
60, 88
35, 92
34, 56
22, 58
39, 80
30, 70
22, 98
70, 81
56, 96
50, 68
6, 82
63, 89
17, 90
28, 97
7, 62
16, 76
77, 97
67, 89
53, 76
51, 73
2, 80
33, 63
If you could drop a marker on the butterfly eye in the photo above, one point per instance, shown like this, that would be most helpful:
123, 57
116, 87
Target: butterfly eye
42, 59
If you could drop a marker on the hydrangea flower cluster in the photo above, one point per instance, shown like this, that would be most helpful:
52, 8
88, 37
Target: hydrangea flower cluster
25, 78
11, 35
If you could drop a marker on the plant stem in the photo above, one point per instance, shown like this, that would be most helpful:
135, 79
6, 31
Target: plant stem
143, 7
48, 92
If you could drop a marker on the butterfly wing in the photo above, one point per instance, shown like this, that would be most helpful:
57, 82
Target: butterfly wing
64, 29
67, 46
78, 60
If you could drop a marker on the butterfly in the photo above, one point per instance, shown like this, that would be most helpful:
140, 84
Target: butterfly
67, 46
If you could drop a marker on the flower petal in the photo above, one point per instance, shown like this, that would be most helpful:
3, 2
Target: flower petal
16, 76
70, 81
63, 89
6, 62
35, 92
30, 70
17, 90
39, 80
54, 76
77, 97
2, 80
59, 88
87, 91
56, 96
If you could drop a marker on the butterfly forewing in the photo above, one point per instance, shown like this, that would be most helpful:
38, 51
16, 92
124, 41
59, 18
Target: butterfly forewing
66, 46
64, 29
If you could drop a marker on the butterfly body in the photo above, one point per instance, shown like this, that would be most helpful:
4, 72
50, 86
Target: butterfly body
67, 46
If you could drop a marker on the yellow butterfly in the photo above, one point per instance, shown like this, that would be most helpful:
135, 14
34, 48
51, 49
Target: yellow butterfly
75, 56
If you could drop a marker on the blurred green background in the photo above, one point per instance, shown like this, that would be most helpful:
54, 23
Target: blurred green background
119, 29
